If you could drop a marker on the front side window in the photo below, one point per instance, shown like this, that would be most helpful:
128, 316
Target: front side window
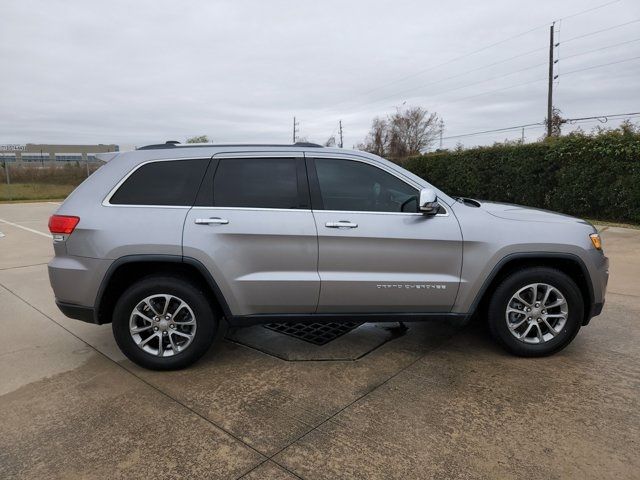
256, 182
169, 183
360, 187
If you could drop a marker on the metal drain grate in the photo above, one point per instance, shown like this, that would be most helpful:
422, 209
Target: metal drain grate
316, 333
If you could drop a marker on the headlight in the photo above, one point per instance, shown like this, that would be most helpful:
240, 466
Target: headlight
596, 240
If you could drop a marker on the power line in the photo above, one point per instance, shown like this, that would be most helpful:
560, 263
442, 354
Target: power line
505, 60
541, 124
487, 47
597, 7
456, 88
589, 34
600, 117
498, 76
509, 87
596, 120
521, 84
601, 48
496, 130
455, 59
601, 65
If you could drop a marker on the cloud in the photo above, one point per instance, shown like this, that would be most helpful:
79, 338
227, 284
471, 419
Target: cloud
142, 72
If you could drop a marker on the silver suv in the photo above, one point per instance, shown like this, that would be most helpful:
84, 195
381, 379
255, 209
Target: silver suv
167, 241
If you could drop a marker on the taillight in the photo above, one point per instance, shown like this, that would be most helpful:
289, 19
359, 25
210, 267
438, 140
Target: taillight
62, 224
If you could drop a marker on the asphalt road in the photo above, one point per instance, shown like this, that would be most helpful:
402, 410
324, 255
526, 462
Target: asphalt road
440, 401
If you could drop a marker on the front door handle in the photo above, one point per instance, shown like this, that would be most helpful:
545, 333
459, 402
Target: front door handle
341, 224
211, 221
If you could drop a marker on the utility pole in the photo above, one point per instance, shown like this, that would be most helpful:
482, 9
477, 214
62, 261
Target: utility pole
441, 130
6, 173
295, 126
341, 142
522, 138
550, 92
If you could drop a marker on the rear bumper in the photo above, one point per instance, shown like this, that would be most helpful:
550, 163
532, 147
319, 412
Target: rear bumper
75, 280
78, 312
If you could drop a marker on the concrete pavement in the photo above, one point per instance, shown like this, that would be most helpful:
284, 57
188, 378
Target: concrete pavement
441, 401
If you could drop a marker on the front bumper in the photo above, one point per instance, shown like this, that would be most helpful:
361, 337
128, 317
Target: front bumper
596, 309
599, 282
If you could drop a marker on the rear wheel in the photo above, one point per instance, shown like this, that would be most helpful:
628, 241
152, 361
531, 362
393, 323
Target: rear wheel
164, 323
536, 312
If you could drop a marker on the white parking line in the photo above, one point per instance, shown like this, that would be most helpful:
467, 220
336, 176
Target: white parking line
26, 228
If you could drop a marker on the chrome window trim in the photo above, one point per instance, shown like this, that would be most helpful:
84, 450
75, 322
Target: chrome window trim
257, 154
384, 168
410, 214
248, 154
126, 205
200, 207
106, 202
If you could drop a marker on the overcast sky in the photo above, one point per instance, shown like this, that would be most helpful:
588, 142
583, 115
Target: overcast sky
136, 72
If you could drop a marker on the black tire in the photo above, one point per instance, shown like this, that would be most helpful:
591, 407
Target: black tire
514, 282
206, 321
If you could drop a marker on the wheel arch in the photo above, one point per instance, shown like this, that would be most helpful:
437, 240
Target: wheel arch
128, 269
568, 263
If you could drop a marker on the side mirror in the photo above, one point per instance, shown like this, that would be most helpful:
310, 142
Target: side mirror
428, 202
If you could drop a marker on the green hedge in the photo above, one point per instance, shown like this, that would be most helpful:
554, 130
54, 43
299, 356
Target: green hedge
593, 176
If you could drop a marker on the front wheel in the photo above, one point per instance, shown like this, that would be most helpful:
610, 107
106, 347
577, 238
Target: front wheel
163, 323
536, 312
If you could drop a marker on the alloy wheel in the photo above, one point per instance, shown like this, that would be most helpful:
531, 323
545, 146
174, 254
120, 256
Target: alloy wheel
162, 325
537, 313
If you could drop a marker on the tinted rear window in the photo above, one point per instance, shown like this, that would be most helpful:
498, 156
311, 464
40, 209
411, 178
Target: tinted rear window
162, 183
256, 182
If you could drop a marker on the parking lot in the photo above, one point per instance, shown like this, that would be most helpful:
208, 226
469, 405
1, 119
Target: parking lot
435, 401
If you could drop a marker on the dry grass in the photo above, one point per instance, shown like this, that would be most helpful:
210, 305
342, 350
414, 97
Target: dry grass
42, 182
66, 174
34, 191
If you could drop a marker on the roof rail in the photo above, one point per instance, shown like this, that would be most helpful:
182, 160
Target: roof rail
167, 144
176, 144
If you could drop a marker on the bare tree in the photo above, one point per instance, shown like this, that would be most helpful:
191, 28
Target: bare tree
556, 122
377, 139
408, 131
199, 139
331, 141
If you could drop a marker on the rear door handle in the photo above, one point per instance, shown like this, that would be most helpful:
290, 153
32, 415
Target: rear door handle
341, 224
211, 221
